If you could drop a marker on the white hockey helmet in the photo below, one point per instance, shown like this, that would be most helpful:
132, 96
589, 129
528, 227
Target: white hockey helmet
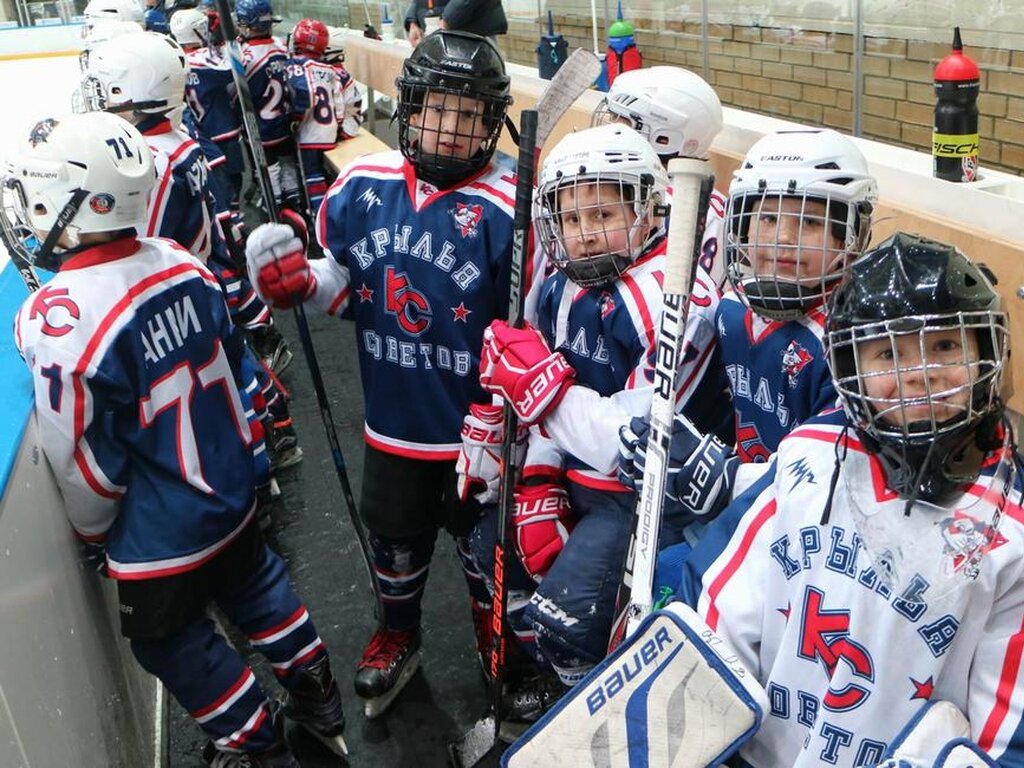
191, 26
673, 108
782, 257
604, 156
105, 10
100, 32
144, 72
81, 174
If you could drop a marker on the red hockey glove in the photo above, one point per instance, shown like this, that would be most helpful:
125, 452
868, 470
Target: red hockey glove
478, 465
543, 521
276, 256
517, 365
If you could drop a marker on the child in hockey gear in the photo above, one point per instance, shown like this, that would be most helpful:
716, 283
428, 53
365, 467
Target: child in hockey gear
265, 57
583, 371
143, 417
878, 560
680, 115
348, 128
318, 108
421, 296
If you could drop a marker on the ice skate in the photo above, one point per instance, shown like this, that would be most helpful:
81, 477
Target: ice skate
388, 663
285, 450
315, 704
272, 348
277, 756
526, 701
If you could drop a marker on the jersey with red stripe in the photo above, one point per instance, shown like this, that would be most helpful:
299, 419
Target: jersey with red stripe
352, 115
210, 91
141, 414
264, 60
609, 335
314, 91
846, 654
423, 272
778, 374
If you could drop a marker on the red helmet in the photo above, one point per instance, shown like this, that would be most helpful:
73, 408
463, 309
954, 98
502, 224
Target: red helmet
310, 37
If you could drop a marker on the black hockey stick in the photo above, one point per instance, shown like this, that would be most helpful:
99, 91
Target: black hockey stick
692, 184
252, 137
535, 126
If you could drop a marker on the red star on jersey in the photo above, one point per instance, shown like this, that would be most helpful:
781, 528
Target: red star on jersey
922, 690
460, 312
365, 293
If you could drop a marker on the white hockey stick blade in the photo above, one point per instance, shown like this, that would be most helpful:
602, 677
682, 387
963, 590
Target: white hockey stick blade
673, 695
571, 80
687, 177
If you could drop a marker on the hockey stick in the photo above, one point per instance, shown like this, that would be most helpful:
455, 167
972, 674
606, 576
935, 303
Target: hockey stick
252, 137
692, 184
571, 80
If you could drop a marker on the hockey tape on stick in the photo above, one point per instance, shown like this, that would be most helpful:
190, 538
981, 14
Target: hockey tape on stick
692, 183
674, 695
568, 84
252, 136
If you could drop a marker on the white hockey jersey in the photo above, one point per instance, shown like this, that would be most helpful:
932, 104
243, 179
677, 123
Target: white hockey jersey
845, 659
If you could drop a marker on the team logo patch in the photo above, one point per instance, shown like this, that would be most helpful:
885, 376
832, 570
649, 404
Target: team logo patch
607, 304
102, 203
794, 360
967, 540
467, 217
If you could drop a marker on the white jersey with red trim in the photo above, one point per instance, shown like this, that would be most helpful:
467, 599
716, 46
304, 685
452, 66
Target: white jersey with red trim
423, 272
609, 335
141, 414
314, 91
845, 658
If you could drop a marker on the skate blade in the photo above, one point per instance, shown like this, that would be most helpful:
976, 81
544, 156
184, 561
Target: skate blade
474, 744
377, 706
334, 743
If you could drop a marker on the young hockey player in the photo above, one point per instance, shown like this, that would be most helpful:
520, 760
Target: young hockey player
142, 77
418, 246
144, 422
799, 213
265, 58
348, 128
680, 115
588, 366
878, 564
318, 108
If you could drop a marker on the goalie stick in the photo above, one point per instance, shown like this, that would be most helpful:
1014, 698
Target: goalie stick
568, 84
252, 138
692, 184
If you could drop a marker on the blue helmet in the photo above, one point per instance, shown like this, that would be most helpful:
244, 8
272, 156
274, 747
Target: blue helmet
255, 17
155, 21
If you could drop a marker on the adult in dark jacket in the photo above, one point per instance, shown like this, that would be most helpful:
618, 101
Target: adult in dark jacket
482, 17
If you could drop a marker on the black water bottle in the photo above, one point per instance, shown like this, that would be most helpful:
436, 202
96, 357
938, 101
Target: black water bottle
552, 51
955, 131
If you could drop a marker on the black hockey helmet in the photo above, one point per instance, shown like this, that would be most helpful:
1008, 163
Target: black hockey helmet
464, 65
908, 287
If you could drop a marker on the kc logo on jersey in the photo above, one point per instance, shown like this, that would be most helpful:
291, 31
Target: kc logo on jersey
407, 304
825, 637
57, 310
794, 360
467, 217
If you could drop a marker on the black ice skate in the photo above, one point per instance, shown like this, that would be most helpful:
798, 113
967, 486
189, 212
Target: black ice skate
315, 704
525, 701
389, 661
272, 348
285, 450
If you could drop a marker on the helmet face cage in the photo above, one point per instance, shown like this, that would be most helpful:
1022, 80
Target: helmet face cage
15, 225
785, 252
605, 225
939, 385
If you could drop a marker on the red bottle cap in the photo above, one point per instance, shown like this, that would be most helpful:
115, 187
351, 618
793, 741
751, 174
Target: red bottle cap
957, 67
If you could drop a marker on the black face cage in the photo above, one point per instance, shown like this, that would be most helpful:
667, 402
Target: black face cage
577, 240
604, 115
979, 394
442, 167
771, 269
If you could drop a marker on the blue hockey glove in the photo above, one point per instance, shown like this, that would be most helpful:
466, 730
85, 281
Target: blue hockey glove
701, 468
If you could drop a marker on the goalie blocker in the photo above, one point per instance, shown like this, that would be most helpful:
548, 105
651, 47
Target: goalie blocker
673, 694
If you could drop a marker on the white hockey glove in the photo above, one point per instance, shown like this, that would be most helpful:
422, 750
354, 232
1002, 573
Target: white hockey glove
276, 257
479, 464
938, 736
701, 468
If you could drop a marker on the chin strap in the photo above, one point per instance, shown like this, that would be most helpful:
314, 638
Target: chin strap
60, 225
841, 448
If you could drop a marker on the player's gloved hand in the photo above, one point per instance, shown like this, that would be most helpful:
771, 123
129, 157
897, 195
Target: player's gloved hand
276, 256
542, 521
94, 557
700, 473
478, 465
516, 364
